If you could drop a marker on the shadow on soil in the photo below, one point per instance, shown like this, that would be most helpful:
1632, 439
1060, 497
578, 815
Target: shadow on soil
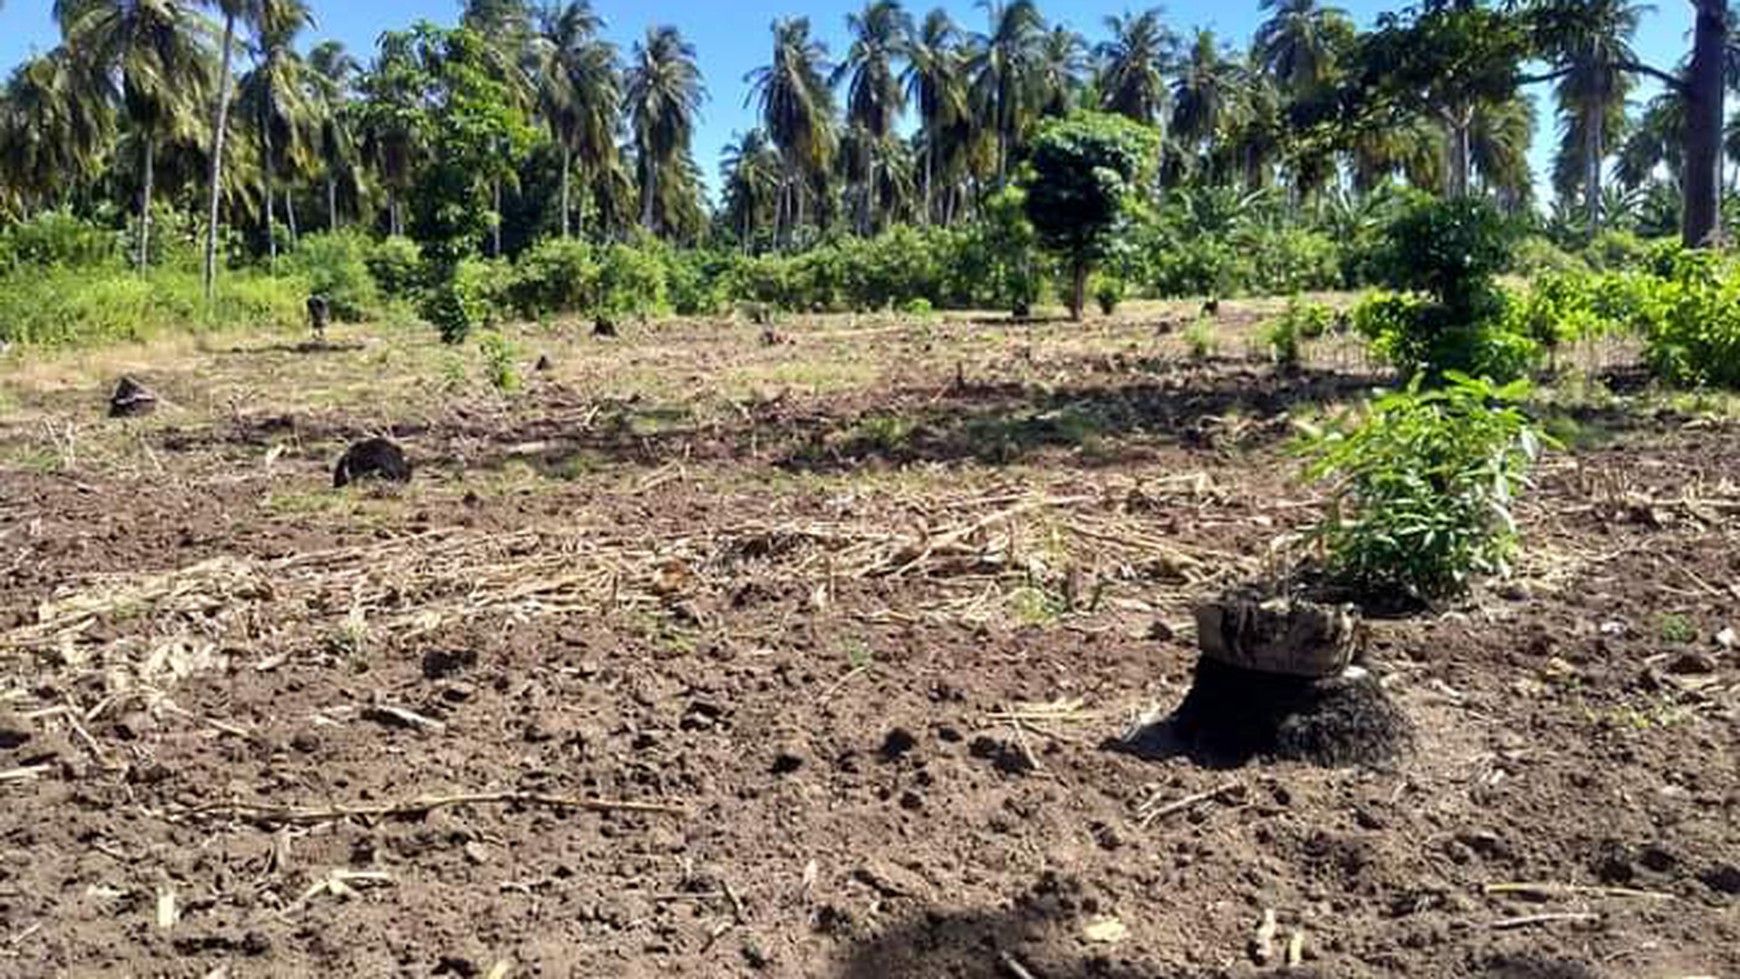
995, 424
1028, 945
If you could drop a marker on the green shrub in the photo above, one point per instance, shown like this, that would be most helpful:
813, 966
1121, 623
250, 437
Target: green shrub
1424, 484
498, 354
630, 280
1200, 339
57, 239
1613, 251
556, 276
396, 265
1299, 322
73, 306
1288, 260
1451, 249
1537, 255
465, 298
336, 266
1108, 293
1696, 341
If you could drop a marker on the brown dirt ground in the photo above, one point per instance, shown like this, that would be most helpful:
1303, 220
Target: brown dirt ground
872, 631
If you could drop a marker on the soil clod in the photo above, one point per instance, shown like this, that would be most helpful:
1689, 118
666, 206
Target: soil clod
375, 458
131, 400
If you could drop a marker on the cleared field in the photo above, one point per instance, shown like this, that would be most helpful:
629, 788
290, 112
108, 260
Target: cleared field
705, 655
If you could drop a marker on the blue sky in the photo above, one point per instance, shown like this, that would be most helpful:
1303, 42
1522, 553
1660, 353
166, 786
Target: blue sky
731, 36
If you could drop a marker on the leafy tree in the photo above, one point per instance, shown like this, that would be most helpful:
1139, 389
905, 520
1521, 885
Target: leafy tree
1297, 45
1058, 71
1203, 95
52, 134
1592, 40
1082, 171
1442, 60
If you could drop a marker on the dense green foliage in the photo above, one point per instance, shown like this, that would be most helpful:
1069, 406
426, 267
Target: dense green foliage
1424, 480
1083, 174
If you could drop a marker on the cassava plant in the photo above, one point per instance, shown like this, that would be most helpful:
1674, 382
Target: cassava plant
1423, 484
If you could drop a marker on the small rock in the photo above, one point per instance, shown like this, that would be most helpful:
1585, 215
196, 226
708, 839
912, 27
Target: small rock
754, 955
604, 326
544, 364
890, 880
374, 458
1728, 638
305, 742
1159, 631
131, 399
785, 763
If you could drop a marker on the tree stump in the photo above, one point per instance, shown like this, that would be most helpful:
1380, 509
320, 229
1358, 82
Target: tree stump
1280, 635
1277, 678
131, 399
374, 458
604, 326
319, 314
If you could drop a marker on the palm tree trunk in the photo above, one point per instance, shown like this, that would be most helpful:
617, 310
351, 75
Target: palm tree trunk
929, 201
146, 189
567, 208
290, 214
266, 176
331, 203
646, 196
1594, 150
219, 125
1458, 123
495, 230
1705, 93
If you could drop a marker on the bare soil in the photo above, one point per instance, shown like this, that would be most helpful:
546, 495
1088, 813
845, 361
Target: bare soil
874, 622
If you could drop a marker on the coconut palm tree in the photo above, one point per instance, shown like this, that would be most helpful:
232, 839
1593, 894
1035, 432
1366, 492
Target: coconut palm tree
275, 94
1656, 142
874, 97
1499, 150
392, 119
1594, 48
578, 90
1001, 68
1058, 71
332, 74
149, 58
797, 110
246, 13
935, 80
1204, 92
750, 171
664, 95
1296, 45
1133, 66
51, 134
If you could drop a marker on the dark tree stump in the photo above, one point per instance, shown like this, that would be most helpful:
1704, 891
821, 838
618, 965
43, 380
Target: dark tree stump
374, 458
1232, 715
319, 314
604, 326
131, 399
1278, 635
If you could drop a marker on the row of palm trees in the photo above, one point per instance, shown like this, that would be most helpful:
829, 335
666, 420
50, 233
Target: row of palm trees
148, 84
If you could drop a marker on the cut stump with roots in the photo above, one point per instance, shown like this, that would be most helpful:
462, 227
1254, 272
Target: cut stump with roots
1278, 678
